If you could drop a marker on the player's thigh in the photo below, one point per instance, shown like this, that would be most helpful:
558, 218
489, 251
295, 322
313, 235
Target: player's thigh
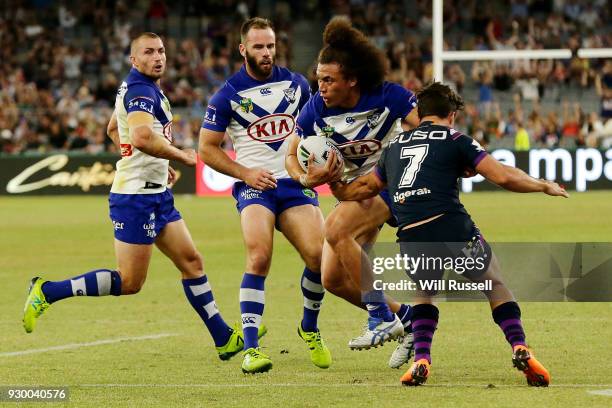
303, 227
132, 264
356, 218
257, 223
176, 243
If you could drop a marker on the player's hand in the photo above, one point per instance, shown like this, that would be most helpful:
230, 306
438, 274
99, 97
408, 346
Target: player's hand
171, 177
553, 189
332, 171
190, 157
259, 179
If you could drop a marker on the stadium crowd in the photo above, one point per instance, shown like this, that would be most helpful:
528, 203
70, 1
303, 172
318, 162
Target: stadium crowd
63, 61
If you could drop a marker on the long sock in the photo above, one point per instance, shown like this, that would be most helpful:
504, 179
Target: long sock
252, 301
377, 306
199, 294
424, 323
508, 317
313, 292
405, 315
101, 282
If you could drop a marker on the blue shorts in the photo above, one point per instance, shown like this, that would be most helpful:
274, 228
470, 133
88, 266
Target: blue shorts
392, 221
288, 193
139, 218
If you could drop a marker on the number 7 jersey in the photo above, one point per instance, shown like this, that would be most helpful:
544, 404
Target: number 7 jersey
422, 168
258, 116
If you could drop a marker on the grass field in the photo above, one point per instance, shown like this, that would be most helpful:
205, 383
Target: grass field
60, 237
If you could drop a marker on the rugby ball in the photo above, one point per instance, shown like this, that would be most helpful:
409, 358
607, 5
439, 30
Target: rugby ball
319, 146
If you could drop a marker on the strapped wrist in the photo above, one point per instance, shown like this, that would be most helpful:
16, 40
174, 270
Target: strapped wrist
303, 179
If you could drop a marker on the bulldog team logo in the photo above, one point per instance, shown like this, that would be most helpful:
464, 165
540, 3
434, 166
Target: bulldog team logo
373, 120
246, 104
289, 95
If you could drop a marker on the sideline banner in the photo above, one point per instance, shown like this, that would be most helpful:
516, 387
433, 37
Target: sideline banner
61, 173
54, 174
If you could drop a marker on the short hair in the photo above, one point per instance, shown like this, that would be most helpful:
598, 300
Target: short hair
357, 56
439, 100
254, 22
141, 36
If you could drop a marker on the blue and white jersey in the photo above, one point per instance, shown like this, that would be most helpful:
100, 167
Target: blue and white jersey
363, 132
258, 116
138, 172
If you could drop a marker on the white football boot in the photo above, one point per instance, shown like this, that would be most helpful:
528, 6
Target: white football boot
376, 333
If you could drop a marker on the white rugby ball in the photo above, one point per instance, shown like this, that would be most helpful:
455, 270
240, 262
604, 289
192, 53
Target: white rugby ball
319, 146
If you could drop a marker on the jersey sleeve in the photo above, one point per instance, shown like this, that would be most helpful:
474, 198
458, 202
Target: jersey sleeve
218, 112
306, 119
140, 98
470, 151
400, 100
305, 91
381, 169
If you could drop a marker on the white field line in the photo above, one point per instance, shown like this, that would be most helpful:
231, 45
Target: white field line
605, 393
90, 344
328, 385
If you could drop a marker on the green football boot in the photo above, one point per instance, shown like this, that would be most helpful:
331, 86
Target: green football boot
35, 304
319, 353
235, 344
255, 361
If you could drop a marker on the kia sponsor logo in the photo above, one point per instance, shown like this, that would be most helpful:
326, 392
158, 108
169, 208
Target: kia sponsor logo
271, 128
356, 149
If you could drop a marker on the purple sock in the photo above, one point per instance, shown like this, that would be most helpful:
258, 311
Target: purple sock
424, 323
508, 318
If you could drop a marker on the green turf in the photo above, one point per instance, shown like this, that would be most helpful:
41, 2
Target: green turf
59, 237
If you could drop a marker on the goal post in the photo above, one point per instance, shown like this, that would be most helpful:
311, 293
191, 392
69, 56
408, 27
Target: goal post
440, 55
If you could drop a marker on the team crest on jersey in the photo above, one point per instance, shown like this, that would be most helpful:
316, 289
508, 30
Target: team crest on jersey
373, 120
308, 193
289, 94
246, 104
328, 131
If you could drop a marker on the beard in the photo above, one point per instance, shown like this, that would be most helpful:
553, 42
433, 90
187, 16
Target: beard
256, 68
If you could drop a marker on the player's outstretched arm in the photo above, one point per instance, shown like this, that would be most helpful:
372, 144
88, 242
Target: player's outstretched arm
140, 125
363, 187
214, 156
517, 180
316, 175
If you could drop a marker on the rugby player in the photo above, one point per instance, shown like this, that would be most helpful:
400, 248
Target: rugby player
257, 108
358, 112
421, 169
142, 208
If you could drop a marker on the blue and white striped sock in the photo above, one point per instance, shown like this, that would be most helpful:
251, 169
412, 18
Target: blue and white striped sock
199, 294
101, 282
313, 297
405, 315
252, 301
377, 307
